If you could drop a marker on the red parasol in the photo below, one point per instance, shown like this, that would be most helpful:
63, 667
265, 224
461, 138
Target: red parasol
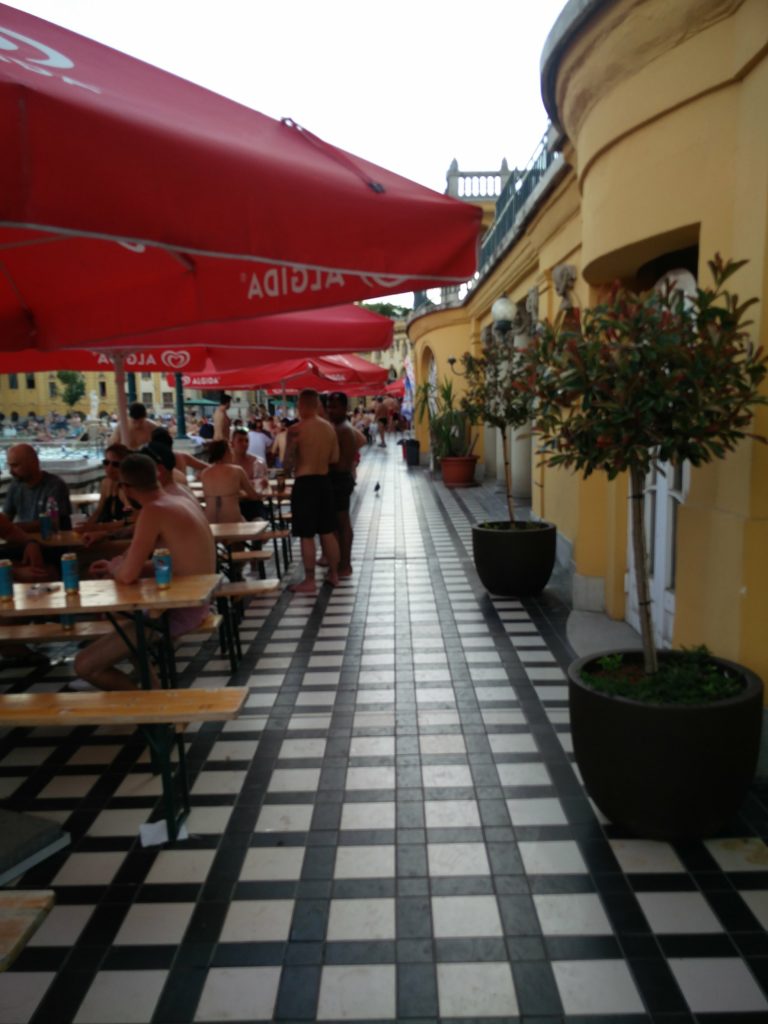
131, 199
231, 344
396, 388
324, 373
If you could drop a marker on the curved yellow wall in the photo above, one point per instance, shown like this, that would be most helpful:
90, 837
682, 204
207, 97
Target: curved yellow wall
665, 105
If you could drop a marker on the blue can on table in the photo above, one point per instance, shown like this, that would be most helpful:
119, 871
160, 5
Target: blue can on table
70, 573
46, 525
6, 580
163, 563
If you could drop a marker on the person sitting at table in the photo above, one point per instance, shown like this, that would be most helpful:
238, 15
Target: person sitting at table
25, 554
169, 477
256, 471
164, 521
182, 460
223, 483
112, 510
32, 489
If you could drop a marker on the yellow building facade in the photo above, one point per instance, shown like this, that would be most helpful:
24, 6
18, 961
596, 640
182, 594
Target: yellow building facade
661, 140
41, 393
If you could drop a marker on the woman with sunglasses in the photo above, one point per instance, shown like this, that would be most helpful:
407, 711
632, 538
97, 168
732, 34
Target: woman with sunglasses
113, 507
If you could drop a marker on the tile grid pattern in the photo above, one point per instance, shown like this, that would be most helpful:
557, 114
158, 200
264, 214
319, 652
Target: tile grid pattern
393, 830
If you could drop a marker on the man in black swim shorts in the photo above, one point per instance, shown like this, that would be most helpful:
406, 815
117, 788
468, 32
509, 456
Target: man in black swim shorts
342, 475
310, 449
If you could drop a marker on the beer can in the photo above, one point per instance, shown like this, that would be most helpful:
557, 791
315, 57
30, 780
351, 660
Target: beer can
67, 621
6, 580
161, 558
46, 525
70, 573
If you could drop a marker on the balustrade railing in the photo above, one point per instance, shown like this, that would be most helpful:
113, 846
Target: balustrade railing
513, 197
477, 184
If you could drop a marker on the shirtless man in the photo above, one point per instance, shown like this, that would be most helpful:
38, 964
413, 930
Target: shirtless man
382, 416
139, 428
182, 461
221, 424
223, 483
165, 521
311, 448
256, 471
342, 475
169, 478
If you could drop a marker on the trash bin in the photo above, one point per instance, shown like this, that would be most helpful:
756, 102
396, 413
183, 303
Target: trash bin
412, 451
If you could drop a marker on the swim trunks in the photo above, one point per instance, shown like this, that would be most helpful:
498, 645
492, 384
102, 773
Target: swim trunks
342, 484
312, 506
186, 620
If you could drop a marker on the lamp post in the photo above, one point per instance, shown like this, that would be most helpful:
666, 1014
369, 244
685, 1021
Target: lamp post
503, 313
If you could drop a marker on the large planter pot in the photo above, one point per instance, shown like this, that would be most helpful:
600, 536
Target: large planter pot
514, 559
666, 771
458, 470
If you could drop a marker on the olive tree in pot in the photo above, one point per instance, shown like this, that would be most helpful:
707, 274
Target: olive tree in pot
667, 742
513, 557
449, 432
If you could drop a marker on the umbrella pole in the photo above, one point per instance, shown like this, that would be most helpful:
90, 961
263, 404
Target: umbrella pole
181, 423
122, 404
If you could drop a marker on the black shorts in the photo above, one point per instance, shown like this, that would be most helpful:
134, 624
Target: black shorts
312, 506
342, 485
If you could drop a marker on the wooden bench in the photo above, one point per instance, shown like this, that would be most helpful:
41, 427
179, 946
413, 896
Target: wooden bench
81, 629
22, 911
155, 712
235, 558
284, 536
227, 596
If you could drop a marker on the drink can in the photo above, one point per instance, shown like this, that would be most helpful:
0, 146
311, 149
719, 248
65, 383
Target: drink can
163, 563
70, 573
6, 580
280, 483
46, 525
67, 621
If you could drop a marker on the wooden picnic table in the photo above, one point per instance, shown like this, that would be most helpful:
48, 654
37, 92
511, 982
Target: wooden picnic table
80, 500
230, 533
59, 539
110, 598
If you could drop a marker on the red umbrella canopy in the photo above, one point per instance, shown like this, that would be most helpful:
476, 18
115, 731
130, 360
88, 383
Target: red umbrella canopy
131, 199
324, 373
396, 388
231, 344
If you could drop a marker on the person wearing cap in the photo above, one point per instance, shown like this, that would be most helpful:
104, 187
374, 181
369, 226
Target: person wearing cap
183, 461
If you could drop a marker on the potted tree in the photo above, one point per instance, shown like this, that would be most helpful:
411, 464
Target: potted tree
513, 557
449, 432
667, 742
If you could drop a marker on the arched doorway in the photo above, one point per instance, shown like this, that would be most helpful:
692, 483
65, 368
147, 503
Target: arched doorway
666, 488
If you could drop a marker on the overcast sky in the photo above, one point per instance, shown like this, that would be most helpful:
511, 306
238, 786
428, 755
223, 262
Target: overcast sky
407, 84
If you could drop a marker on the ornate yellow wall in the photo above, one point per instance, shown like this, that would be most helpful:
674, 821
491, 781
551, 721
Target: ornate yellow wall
664, 105
662, 108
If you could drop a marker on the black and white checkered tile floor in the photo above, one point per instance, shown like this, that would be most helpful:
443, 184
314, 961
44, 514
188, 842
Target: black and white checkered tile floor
393, 830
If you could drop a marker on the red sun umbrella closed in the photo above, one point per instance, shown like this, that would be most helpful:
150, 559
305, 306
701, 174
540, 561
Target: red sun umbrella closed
131, 200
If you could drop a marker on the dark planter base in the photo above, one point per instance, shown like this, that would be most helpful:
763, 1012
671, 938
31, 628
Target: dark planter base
664, 771
517, 561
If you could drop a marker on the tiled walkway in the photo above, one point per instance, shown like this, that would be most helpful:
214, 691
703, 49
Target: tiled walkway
394, 830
